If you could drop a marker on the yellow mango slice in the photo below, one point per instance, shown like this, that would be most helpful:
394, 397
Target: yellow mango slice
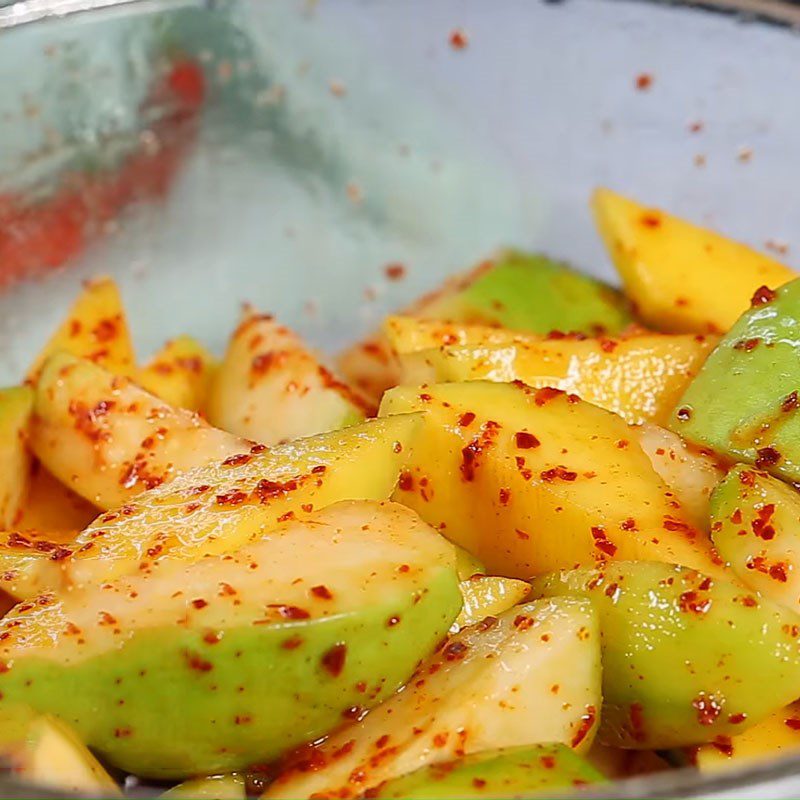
15, 414
95, 328
180, 373
533, 481
775, 737
271, 388
51, 506
409, 335
487, 596
217, 507
640, 378
681, 277
108, 439
213, 787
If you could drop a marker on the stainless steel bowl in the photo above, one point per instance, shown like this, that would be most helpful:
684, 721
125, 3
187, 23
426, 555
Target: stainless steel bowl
283, 153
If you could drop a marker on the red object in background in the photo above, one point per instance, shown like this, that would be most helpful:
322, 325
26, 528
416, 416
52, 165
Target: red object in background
36, 237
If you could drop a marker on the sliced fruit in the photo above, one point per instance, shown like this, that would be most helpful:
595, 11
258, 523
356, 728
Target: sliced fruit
15, 414
778, 735
755, 524
51, 506
467, 565
673, 270
410, 335
180, 373
640, 378
271, 388
531, 292
509, 772
517, 290
213, 787
744, 402
535, 480
691, 473
531, 675
685, 658
219, 507
487, 596
340, 608
95, 328
32, 562
45, 752
109, 440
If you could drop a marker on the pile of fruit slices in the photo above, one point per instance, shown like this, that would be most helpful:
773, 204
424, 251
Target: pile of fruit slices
533, 534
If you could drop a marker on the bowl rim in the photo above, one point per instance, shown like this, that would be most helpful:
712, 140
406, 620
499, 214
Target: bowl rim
782, 772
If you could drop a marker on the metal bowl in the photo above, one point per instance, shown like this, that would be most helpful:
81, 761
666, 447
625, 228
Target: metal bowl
284, 153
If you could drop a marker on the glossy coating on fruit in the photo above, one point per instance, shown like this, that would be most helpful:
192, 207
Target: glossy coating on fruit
95, 328
640, 378
33, 562
487, 596
512, 772
535, 480
744, 402
109, 440
755, 524
271, 388
674, 270
179, 373
214, 787
685, 658
530, 675
186, 671
219, 507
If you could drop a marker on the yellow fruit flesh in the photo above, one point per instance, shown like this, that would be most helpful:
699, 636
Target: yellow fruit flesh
15, 414
681, 277
271, 388
108, 440
218, 507
95, 328
487, 596
640, 378
532, 481
180, 373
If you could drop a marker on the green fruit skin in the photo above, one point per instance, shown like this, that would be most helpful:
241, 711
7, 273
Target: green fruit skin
734, 405
528, 292
508, 772
755, 525
683, 656
169, 704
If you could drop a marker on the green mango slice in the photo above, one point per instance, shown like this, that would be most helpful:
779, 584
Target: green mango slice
509, 772
531, 292
528, 676
212, 666
218, 507
744, 402
755, 524
686, 658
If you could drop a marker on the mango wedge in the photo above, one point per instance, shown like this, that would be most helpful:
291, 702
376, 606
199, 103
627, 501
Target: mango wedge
50, 506
755, 524
674, 271
16, 405
213, 666
180, 373
686, 658
33, 562
640, 378
487, 596
218, 507
109, 440
500, 683
534, 480
96, 328
271, 388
